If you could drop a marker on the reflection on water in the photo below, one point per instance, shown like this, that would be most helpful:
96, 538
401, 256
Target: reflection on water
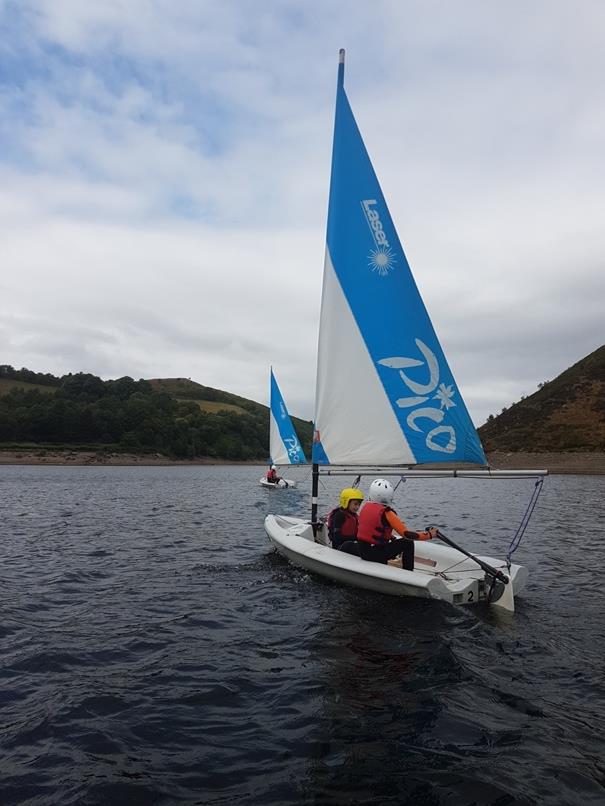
155, 650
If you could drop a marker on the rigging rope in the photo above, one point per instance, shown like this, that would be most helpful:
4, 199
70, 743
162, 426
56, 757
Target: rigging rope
401, 479
514, 543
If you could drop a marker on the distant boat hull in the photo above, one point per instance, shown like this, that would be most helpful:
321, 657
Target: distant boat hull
282, 484
466, 584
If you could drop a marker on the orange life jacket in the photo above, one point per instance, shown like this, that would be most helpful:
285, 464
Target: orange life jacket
373, 527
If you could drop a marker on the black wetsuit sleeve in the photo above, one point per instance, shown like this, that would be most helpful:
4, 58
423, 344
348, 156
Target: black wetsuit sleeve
338, 519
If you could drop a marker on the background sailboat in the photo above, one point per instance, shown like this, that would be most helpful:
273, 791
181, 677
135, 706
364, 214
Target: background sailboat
284, 444
385, 394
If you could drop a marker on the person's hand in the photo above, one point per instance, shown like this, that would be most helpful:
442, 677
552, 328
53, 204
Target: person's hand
431, 532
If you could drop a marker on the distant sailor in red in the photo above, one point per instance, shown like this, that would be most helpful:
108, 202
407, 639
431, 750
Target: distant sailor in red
342, 521
272, 476
377, 523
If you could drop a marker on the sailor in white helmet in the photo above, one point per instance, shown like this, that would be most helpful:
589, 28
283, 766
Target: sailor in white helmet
272, 475
377, 524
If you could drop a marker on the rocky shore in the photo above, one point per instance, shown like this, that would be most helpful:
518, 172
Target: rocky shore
576, 463
38, 456
590, 463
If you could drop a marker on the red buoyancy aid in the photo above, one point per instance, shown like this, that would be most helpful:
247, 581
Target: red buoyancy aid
271, 474
349, 524
373, 527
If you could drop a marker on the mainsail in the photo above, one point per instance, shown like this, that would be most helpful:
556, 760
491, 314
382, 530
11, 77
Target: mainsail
385, 394
283, 442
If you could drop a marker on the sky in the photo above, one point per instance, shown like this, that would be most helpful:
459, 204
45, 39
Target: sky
164, 173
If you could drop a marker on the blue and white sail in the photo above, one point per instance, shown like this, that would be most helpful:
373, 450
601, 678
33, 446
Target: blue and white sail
385, 394
284, 444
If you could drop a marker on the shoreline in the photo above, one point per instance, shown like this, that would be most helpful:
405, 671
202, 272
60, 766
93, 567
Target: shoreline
39, 456
580, 463
577, 463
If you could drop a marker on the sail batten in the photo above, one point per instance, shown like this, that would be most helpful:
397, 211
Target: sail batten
385, 393
284, 445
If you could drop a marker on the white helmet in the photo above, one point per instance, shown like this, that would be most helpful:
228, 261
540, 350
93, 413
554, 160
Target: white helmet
381, 491
273, 467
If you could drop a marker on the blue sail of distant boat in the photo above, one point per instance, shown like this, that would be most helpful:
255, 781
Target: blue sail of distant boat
385, 393
284, 444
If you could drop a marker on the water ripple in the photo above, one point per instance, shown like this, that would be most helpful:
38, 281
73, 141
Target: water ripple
155, 650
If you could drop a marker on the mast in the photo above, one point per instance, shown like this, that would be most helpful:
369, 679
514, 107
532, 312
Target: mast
315, 466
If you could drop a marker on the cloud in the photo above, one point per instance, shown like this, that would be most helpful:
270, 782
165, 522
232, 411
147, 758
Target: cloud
179, 300
164, 175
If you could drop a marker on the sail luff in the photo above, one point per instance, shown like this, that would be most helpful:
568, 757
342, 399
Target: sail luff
385, 393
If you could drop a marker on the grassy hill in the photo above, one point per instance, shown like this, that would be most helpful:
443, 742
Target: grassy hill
214, 400
209, 399
565, 414
175, 417
182, 418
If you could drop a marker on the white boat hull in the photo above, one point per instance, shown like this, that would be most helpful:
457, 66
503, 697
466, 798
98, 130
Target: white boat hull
282, 484
440, 573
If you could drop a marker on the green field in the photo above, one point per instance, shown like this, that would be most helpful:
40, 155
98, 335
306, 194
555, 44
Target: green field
213, 406
7, 385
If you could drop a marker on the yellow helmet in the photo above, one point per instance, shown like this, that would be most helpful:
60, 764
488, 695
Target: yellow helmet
350, 494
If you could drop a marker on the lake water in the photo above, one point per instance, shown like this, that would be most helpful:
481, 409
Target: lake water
155, 650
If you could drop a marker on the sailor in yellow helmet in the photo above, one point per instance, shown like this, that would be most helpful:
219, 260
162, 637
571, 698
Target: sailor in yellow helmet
342, 521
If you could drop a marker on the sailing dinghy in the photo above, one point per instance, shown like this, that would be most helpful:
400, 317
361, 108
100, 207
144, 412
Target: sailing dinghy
284, 445
393, 403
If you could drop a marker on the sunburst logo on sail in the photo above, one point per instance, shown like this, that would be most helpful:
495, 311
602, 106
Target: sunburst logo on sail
381, 260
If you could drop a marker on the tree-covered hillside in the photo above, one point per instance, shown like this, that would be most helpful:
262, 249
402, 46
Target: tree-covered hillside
174, 417
565, 414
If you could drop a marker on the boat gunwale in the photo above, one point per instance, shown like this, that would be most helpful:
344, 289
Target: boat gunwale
288, 542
